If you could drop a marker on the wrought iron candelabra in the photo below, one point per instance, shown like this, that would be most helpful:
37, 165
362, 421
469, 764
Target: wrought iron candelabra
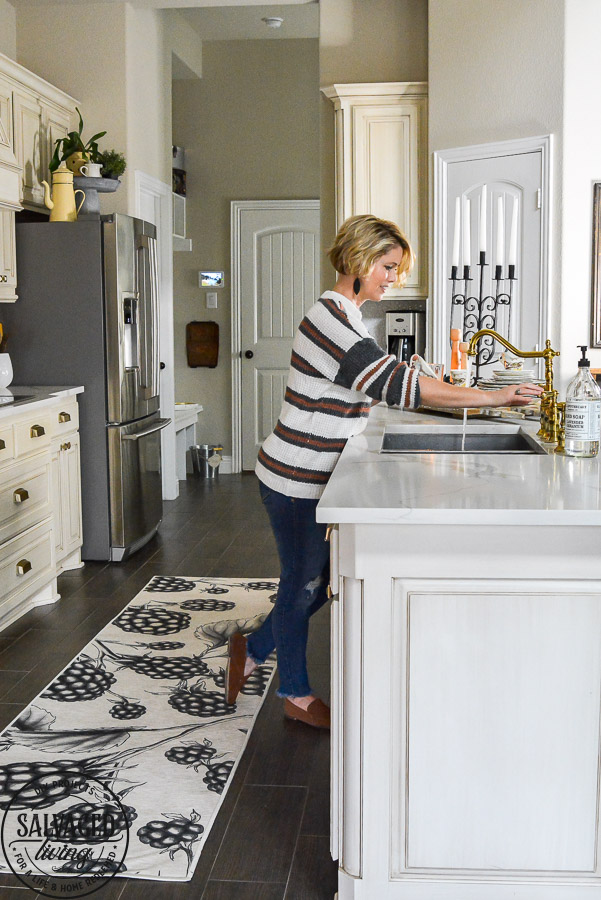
481, 311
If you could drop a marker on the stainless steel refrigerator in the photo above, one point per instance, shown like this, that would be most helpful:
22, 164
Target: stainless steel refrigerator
87, 314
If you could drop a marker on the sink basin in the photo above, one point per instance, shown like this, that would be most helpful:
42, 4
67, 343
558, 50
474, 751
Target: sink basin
423, 441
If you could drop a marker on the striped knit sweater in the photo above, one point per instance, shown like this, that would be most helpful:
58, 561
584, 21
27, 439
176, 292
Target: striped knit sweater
336, 370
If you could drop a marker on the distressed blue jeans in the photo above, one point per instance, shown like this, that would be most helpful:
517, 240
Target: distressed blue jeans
305, 572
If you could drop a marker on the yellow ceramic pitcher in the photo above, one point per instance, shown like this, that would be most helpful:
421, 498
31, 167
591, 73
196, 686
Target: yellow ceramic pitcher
62, 205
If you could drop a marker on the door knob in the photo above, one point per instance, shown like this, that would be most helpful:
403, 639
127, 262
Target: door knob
249, 354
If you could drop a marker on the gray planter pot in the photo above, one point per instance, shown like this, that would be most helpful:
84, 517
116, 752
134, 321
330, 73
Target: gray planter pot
92, 187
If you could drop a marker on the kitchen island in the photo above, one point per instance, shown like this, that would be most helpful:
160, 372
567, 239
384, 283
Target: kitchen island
466, 670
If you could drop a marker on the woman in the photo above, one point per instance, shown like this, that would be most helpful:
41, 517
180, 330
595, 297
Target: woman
337, 371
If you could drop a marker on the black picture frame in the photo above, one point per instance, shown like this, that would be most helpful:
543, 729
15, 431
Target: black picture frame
596, 268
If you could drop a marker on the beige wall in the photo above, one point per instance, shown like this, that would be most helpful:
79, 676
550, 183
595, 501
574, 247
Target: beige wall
581, 167
383, 40
91, 70
8, 29
495, 70
250, 128
529, 69
118, 65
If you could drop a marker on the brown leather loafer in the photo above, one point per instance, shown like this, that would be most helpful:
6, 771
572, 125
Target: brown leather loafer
234, 673
317, 713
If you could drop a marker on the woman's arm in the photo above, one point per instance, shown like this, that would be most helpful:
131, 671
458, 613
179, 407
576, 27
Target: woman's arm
446, 396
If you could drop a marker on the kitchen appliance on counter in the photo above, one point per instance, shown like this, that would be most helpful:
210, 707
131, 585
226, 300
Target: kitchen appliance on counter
88, 314
406, 332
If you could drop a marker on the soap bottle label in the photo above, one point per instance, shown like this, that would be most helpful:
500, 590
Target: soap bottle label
583, 420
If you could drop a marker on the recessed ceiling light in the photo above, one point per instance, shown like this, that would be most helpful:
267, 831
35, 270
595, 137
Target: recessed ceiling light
272, 21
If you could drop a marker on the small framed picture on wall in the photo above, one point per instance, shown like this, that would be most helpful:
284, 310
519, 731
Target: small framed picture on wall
211, 279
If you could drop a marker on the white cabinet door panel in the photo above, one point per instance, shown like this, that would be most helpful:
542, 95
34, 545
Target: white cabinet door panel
498, 685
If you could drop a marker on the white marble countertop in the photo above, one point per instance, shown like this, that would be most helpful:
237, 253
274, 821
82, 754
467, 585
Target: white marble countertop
434, 489
28, 398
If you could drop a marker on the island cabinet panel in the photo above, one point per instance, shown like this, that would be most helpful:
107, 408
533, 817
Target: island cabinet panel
496, 687
466, 721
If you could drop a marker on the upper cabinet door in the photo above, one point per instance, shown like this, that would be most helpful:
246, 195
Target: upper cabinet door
381, 162
28, 144
6, 122
55, 124
8, 257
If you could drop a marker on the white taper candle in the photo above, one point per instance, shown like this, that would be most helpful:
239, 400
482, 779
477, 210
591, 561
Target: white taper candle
466, 233
455, 254
482, 241
500, 233
513, 235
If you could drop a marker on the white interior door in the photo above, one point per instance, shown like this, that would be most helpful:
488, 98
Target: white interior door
278, 280
516, 178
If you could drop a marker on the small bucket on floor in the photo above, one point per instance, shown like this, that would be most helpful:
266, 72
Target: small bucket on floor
206, 459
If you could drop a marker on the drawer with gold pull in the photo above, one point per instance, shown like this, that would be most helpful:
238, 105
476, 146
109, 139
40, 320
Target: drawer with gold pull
25, 496
26, 560
65, 416
7, 444
33, 433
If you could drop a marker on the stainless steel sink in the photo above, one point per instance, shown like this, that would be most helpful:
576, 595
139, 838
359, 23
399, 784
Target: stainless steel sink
451, 441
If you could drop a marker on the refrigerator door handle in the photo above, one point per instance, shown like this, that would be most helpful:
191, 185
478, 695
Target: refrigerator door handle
147, 284
158, 426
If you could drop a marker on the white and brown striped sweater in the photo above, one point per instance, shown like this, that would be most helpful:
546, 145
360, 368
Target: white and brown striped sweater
336, 370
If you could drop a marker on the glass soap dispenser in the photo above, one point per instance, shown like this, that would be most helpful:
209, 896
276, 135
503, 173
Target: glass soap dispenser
583, 412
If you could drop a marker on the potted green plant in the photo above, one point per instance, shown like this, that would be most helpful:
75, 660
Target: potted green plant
72, 149
112, 162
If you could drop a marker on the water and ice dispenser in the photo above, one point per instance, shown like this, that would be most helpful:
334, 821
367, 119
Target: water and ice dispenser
406, 333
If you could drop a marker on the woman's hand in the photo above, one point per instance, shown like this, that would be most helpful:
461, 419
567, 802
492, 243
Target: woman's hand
517, 394
448, 396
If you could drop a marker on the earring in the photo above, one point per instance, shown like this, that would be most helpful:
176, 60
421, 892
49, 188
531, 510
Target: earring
356, 285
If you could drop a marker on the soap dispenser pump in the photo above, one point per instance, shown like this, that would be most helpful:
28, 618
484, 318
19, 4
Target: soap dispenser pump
583, 412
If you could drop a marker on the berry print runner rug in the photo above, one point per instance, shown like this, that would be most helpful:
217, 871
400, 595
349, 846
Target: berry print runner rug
120, 765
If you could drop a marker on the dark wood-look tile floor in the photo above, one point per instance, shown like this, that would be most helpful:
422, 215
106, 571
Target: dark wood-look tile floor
270, 839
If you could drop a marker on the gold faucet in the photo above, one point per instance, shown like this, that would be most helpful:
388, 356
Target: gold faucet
549, 416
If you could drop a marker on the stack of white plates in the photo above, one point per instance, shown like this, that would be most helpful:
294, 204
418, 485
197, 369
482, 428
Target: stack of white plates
502, 377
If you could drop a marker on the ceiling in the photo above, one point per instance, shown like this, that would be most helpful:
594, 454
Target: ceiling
169, 4
244, 23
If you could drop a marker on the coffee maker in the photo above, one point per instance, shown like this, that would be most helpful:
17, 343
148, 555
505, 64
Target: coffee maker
406, 333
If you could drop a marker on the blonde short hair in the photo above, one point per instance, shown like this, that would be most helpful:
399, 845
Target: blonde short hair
361, 240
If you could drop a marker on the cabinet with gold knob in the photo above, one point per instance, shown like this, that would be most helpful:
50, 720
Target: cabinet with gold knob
66, 489
40, 503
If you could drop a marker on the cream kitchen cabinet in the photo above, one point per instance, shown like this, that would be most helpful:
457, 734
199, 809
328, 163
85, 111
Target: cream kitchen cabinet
40, 499
33, 114
8, 256
27, 116
381, 162
66, 485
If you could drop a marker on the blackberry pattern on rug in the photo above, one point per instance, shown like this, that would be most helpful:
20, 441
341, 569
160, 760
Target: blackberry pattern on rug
142, 709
